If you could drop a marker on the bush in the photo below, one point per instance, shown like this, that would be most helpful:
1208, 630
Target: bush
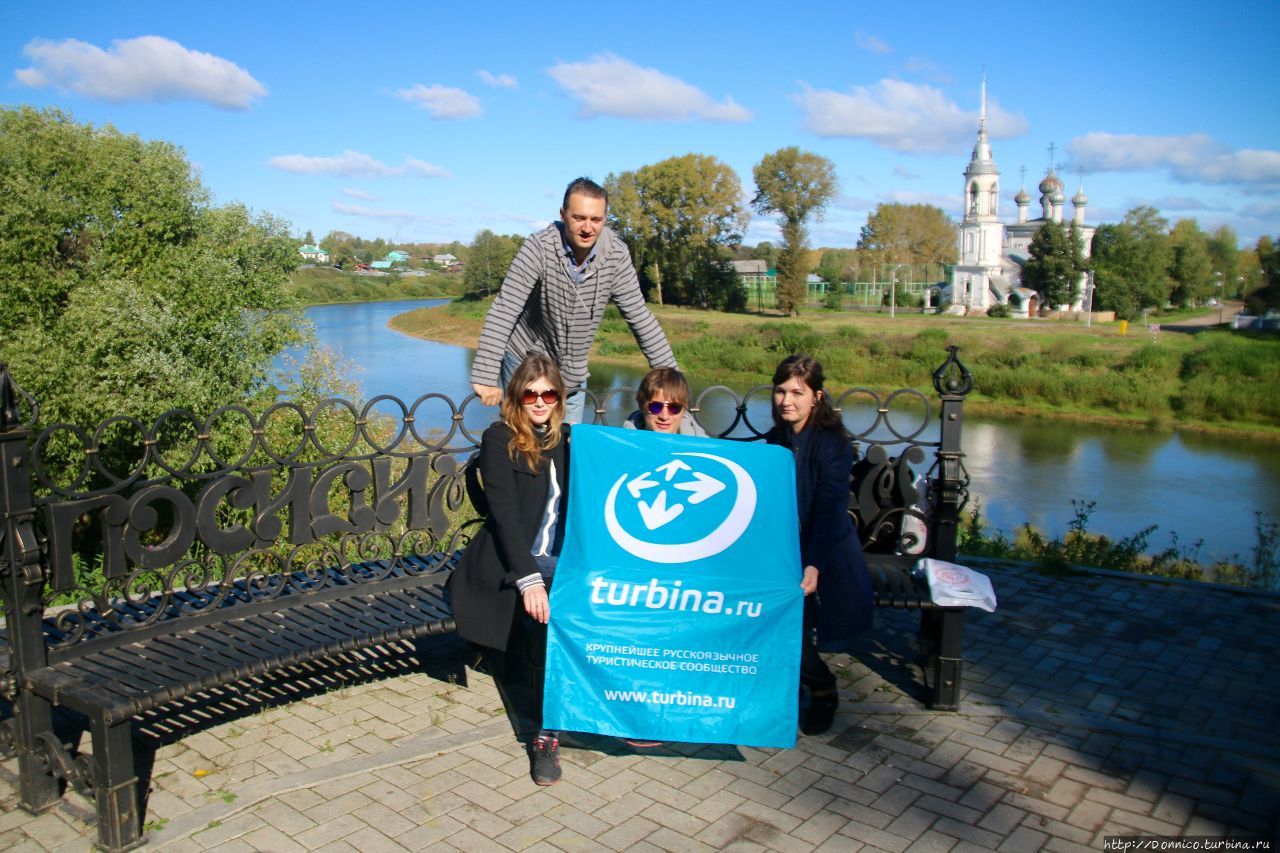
999, 311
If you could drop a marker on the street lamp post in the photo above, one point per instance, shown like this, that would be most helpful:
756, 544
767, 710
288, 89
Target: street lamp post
1088, 296
893, 290
1221, 295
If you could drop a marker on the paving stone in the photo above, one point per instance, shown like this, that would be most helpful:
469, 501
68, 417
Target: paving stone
1023, 838
963, 831
875, 838
627, 834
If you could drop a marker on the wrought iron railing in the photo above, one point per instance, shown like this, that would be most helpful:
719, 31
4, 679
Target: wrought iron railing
129, 523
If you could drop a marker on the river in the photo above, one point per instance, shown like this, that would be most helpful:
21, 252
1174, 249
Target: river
1022, 469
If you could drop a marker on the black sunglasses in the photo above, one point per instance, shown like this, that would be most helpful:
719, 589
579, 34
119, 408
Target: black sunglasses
655, 407
551, 396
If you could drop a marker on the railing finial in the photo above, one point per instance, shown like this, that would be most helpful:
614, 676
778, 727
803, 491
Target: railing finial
10, 414
952, 378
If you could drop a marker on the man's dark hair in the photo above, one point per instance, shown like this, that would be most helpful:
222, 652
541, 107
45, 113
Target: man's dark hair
587, 187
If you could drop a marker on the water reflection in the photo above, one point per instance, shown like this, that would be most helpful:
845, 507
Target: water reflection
1022, 469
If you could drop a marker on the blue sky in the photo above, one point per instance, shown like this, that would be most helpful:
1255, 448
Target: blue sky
431, 121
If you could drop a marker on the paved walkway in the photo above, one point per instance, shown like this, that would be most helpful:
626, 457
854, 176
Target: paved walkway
1094, 706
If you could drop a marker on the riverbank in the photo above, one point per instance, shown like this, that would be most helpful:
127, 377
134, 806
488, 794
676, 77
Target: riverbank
1211, 381
328, 286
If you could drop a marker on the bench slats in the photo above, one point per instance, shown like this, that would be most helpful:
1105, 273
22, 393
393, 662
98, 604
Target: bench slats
127, 679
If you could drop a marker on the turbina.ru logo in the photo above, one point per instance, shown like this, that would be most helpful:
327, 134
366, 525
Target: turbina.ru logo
692, 507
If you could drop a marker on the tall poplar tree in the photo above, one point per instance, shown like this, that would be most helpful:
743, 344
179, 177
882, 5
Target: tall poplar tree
796, 185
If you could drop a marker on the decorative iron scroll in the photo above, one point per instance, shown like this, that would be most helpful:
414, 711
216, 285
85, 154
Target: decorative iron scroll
167, 551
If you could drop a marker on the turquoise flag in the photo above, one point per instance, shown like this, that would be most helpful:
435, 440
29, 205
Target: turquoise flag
676, 608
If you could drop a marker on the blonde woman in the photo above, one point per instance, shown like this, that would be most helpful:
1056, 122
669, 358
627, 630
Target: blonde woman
499, 588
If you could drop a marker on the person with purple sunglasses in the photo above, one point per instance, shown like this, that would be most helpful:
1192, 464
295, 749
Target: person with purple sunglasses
663, 398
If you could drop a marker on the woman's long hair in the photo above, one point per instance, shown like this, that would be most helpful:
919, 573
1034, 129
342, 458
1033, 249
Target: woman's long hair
524, 439
808, 370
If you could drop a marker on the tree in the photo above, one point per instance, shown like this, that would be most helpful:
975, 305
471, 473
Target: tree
309, 239
1224, 256
767, 252
1131, 263
491, 255
1267, 297
835, 266
1192, 269
1055, 262
127, 290
681, 217
910, 234
796, 185
1112, 292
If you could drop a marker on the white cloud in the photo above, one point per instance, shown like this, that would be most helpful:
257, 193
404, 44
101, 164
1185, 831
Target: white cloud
870, 43
423, 169
442, 101
147, 68
355, 164
372, 213
905, 173
354, 192
608, 85
501, 81
1194, 157
902, 116
401, 218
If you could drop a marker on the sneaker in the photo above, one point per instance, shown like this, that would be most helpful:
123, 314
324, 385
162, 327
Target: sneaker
545, 755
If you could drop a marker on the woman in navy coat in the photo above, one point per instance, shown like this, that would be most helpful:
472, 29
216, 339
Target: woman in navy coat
499, 588
837, 586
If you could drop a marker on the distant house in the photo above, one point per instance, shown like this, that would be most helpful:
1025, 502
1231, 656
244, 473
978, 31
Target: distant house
398, 257
446, 260
381, 265
314, 254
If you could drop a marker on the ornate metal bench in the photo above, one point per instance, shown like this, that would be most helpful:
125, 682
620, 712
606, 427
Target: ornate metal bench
142, 564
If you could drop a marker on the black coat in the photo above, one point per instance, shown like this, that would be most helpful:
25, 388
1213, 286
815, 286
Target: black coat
828, 539
483, 586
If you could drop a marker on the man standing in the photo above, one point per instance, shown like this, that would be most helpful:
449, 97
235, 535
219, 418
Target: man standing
554, 297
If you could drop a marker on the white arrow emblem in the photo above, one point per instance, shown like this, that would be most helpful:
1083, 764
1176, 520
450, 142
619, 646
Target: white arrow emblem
704, 487
657, 514
640, 483
672, 467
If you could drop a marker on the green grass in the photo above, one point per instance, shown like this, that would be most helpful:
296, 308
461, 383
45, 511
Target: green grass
325, 285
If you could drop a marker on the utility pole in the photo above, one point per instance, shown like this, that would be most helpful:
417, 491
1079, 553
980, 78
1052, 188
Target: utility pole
893, 290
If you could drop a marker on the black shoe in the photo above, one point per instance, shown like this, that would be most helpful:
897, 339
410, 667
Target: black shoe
821, 713
545, 755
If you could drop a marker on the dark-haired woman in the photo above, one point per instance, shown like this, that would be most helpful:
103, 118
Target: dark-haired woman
499, 588
837, 586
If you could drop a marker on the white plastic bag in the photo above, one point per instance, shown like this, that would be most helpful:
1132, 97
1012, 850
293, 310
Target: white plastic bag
952, 585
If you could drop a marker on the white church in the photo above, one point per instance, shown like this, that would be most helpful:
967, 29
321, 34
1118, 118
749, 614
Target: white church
991, 253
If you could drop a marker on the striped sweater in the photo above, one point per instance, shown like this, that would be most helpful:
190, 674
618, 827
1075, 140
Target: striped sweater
539, 308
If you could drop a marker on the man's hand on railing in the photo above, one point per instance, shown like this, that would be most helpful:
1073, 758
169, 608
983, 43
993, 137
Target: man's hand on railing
488, 394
